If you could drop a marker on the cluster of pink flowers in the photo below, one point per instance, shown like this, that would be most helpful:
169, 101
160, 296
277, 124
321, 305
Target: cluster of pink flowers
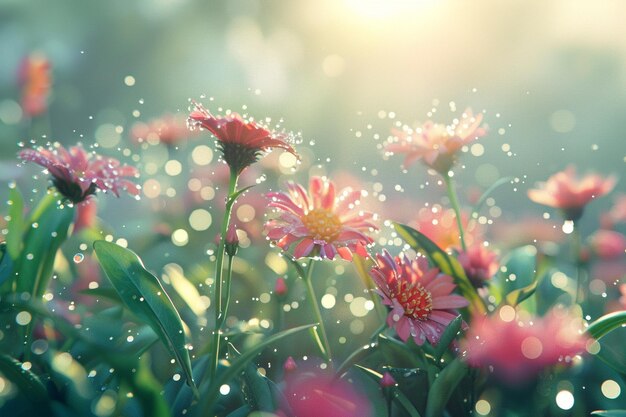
517, 350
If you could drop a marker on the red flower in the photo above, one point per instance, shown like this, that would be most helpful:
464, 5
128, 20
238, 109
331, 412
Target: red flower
518, 350
241, 141
566, 192
437, 144
35, 80
479, 263
421, 299
320, 222
77, 174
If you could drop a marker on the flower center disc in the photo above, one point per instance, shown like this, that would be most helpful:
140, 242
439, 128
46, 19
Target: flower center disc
322, 224
415, 299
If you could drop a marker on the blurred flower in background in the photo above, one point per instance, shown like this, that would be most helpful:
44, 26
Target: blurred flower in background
168, 129
35, 80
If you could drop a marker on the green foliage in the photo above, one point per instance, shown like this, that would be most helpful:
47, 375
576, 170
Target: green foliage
144, 295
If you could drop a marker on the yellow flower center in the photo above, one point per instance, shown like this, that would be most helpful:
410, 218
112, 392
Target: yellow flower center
415, 299
322, 224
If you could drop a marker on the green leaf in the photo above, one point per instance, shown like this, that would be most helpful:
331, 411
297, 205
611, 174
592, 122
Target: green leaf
144, 295
443, 387
6, 264
15, 225
103, 292
398, 354
446, 264
48, 228
243, 411
209, 399
609, 413
448, 335
27, 382
606, 324
521, 266
258, 391
357, 355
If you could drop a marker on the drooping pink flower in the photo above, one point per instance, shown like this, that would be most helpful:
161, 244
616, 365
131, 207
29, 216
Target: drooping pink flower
77, 174
241, 141
320, 222
421, 299
518, 350
311, 392
35, 81
608, 244
570, 194
168, 129
479, 263
437, 144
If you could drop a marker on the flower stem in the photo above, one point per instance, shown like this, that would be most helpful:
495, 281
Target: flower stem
455, 206
219, 262
320, 329
580, 272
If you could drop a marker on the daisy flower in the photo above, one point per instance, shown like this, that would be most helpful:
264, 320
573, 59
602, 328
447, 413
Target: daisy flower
318, 221
421, 299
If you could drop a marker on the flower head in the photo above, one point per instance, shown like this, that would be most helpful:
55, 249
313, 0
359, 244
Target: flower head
168, 129
241, 141
608, 244
319, 221
421, 299
517, 350
566, 192
77, 174
35, 80
437, 144
479, 264
439, 225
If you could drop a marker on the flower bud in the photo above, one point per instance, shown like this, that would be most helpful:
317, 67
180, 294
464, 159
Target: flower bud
290, 365
232, 241
280, 288
387, 381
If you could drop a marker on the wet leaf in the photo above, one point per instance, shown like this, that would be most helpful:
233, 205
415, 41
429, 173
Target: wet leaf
443, 387
144, 295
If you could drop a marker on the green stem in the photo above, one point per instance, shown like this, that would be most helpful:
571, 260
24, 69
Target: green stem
580, 273
219, 262
226, 301
455, 206
320, 329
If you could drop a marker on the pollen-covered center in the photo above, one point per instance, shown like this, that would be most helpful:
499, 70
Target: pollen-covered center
415, 299
322, 224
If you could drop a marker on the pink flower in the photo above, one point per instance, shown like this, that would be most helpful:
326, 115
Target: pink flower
168, 129
608, 244
35, 80
241, 141
421, 299
77, 174
517, 350
387, 381
479, 263
232, 240
437, 144
569, 194
320, 222
309, 392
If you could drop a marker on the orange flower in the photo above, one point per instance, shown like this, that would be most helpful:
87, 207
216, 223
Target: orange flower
35, 80
320, 222
241, 141
437, 144
566, 192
